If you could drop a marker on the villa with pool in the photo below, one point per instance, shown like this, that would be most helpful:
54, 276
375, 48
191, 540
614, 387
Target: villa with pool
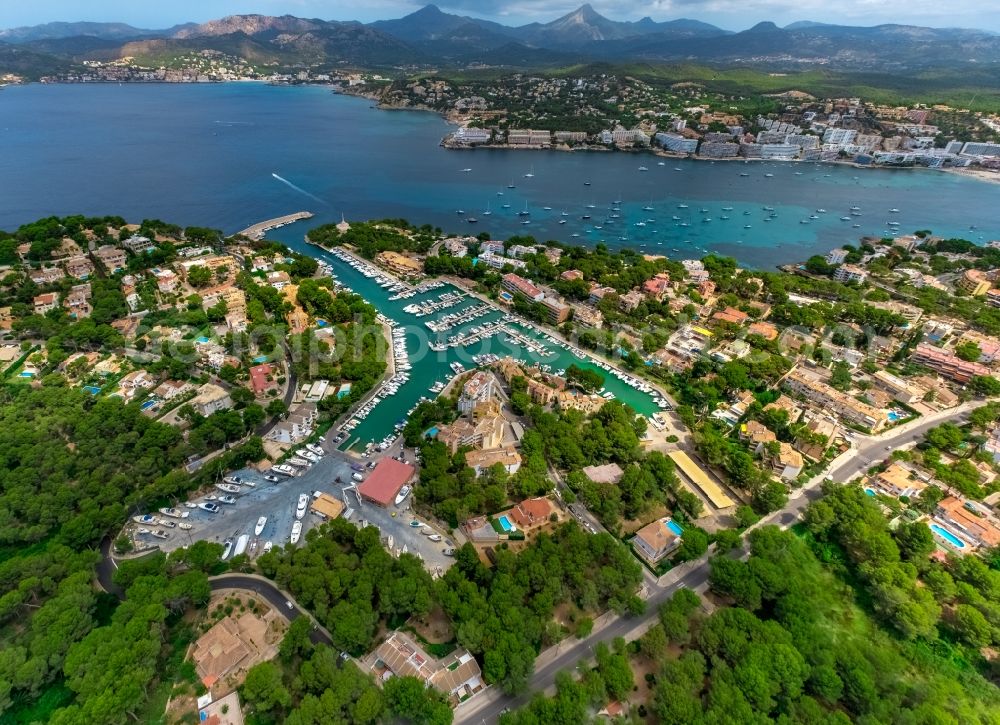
655, 541
962, 526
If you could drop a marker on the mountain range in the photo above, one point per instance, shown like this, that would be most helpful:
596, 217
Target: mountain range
432, 38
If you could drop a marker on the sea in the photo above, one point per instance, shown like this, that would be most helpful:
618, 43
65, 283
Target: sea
229, 155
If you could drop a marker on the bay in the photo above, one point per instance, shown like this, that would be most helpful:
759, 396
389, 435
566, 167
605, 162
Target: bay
209, 154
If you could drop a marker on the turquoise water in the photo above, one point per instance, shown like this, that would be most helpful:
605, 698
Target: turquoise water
147, 404
220, 144
870, 492
429, 367
201, 339
893, 416
505, 524
948, 536
25, 374
674, 527
92, 389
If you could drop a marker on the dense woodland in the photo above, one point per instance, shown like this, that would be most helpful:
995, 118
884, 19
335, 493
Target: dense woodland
502, 615
798, 645
74, 468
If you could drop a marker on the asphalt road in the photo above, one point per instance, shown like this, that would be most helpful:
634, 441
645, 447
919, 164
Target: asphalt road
265, 589
491, 703
270, 593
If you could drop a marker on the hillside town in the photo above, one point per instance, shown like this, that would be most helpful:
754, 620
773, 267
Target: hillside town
685, 120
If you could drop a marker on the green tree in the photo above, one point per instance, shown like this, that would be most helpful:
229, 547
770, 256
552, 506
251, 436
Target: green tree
408, 698
263, 688
199, 276
970, 624
968, 351
841, 377
694, 543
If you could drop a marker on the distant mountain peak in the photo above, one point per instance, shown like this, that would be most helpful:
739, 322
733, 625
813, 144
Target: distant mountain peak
427, 11
765, 26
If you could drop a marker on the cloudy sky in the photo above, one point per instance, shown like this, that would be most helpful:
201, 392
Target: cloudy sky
730, 14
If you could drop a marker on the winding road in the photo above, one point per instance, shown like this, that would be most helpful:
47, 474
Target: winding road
264, 588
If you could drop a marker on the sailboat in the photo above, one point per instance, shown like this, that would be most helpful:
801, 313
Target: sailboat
525, 211
530, 174
487, 212
511, 185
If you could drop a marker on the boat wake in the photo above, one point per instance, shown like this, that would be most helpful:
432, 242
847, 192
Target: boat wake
297, 188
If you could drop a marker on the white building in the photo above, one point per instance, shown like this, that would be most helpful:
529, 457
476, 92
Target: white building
210, 399
496, 261
839, 136
676, 143
836, 256
850, 273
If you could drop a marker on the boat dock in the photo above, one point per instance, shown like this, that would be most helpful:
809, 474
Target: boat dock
443, 302
258, 230
532, 346
459, 318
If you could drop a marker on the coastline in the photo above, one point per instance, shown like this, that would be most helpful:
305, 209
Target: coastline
977, 173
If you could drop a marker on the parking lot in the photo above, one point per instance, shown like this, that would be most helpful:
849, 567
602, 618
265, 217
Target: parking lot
277, 501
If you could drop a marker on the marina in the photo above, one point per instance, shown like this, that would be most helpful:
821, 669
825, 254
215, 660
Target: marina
481, 333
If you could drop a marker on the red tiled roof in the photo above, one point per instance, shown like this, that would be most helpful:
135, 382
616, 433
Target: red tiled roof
530, 511
258, 377
385, 481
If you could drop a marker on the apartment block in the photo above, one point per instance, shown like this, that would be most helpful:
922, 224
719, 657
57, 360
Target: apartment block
810, 386
947, 363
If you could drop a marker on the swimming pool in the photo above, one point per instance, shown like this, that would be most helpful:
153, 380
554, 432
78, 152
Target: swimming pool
201, 339
869, 492
894, 415
260, 359
948, 536
92, 389
505, 524
147, 405
25, 374
674, 527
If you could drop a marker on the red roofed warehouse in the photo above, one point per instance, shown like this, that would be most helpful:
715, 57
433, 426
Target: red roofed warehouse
385, 481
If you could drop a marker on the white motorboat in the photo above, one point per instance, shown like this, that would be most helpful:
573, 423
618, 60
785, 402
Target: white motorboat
296, 532
261, 523
300, 509
403, 493
175, 513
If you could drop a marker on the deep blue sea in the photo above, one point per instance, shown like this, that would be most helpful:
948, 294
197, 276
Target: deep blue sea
209, 155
